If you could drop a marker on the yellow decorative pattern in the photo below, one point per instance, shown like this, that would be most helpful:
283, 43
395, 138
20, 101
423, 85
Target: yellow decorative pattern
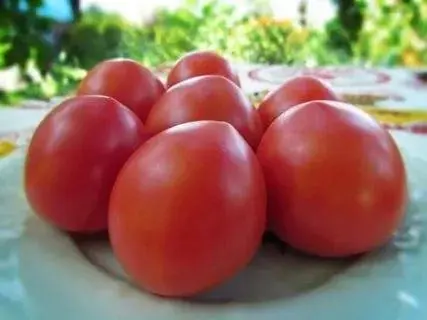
6, 147
396, 117
383, 115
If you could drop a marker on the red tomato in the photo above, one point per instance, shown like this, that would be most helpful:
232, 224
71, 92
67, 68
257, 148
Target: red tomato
199, 63
291, 93
335, 179
126, 81
73, 160
188, 209
206, 98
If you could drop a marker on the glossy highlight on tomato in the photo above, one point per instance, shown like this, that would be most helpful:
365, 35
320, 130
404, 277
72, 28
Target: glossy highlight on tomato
125, 80
295, 91
335, 179
74, 157
188, 210
199, 63
208, 97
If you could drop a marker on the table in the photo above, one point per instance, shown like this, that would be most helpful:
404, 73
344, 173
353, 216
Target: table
396, 97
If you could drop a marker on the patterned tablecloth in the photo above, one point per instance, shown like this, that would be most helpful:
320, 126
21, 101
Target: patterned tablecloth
396, 97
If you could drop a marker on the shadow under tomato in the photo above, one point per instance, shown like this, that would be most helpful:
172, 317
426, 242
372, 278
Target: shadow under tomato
88, 237
276, 272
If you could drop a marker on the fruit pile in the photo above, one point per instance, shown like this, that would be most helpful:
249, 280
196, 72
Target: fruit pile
186, 177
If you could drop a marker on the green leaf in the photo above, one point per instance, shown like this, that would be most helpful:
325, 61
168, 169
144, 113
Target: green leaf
35, 3
18, 53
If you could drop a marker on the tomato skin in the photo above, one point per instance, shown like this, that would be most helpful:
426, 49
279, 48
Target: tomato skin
73, 160
208, 97
188, 210
199, 63
125, 80
335, 179
295, 91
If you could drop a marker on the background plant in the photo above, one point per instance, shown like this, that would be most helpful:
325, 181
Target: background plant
52, 57
394, 33
265, 40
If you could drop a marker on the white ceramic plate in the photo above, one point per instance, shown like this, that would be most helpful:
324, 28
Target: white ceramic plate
46, 275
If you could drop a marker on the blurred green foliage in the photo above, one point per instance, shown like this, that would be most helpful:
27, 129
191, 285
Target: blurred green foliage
29, 41
209, 25
376, 32
394, 33
344, 29
23, 35
95, 36
265, 40
172, 33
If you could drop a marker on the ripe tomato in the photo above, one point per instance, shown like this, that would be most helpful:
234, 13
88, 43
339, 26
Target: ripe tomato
294, 91
208, 97
73, 160
335, 179
188, 209
125, 80
199, 63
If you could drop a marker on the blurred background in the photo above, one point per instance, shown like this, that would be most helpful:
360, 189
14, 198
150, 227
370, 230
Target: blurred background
46, 46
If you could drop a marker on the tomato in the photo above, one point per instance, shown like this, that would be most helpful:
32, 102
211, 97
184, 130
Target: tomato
188, 209
335, 179
73, 160
208, 97
125, 80
291, 93
199, 63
